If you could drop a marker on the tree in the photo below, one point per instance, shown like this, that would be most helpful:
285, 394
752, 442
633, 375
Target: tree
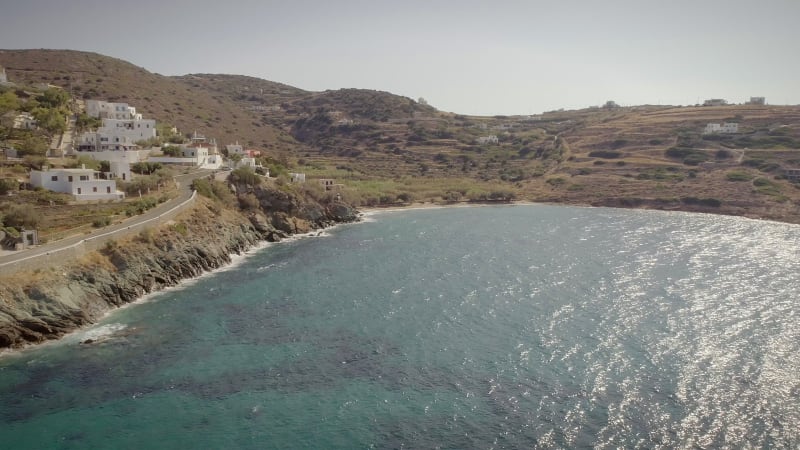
32, 146
246, 176
53, 98
19, 216
171, 150
52, 120
8, 102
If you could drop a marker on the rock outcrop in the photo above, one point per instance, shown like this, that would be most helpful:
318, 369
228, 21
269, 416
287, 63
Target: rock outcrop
43, 305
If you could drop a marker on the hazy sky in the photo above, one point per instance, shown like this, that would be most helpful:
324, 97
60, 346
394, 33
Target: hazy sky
472, 57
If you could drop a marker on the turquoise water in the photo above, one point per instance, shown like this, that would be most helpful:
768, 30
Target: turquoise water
490, 327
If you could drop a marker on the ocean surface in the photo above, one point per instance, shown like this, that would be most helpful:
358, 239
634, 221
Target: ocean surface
483, 327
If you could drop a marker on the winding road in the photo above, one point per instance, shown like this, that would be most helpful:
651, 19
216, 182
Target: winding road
184, 182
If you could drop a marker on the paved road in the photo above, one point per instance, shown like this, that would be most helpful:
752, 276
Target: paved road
184, 182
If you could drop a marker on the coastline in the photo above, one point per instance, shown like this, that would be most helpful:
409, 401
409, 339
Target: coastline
37, 306
784, 219
79, 336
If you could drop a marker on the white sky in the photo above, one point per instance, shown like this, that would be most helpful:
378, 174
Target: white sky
471, 57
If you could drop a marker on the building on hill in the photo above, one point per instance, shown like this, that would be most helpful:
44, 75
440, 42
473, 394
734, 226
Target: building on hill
238, 149
491, 139
25, 121
83, 184
193, 156
298, 177
109, 110
725, 128
121, 128
757, 101
792, 174
715, 102
3, 76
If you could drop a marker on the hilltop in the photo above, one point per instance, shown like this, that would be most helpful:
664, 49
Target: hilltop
387, 148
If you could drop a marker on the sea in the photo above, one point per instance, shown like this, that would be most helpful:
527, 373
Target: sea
529, 326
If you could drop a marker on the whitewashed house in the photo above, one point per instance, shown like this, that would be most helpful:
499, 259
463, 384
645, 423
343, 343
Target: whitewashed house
121, 128
25, 121
491, 139
83, 184
192, 155
725, 128
297, 177
109, 110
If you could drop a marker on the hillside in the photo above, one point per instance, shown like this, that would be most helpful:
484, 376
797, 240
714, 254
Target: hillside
387, 148
90, 75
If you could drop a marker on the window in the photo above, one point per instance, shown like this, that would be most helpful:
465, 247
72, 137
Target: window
94, 189
69, 178
108, 189
79, 191
84, 177
54, 178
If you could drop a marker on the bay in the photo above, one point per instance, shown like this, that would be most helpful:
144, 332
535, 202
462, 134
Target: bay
482, 327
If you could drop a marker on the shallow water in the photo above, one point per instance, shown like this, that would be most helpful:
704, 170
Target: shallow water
491, 327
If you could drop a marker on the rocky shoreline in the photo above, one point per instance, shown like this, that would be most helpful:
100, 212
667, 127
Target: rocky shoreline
44, 305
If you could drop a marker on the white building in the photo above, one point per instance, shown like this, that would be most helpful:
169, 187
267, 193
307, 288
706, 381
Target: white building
122, 127
725, 128
108, 110
192, 155
298, 177
491, 139
235, 149
715, 102
3, 76
757, 101
251, 163
83, 184
25, 121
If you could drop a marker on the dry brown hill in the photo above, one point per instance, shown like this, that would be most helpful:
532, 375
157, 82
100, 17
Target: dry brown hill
93, 76
390, 147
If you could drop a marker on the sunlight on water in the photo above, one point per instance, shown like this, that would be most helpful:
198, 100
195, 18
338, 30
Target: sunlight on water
499, 327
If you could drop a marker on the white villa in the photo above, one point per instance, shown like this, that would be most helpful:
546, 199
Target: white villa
122, 128
192, 155
491, 139
725, 128
25, 121
251, 163
84, 184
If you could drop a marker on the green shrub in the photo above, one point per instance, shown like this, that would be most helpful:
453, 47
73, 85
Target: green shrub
607, 154
101, 222
738, 175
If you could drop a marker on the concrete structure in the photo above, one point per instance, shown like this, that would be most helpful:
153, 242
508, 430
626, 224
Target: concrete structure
715, 102
298, 177
725, 128
83, 184
491, 139
3, 76
120, 169
26, 239
757, 101
327, 183
792, 174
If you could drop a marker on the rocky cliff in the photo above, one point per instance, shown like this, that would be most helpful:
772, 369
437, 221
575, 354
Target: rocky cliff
43, 305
